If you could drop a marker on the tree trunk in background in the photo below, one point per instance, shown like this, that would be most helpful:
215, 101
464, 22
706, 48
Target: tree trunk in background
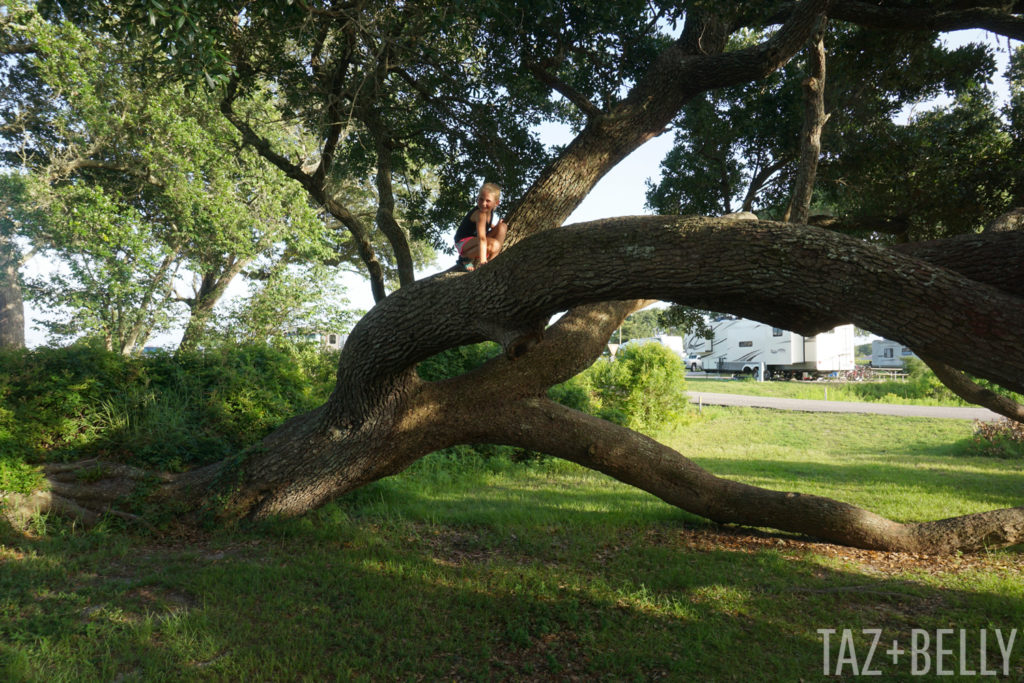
815, 119
12, 304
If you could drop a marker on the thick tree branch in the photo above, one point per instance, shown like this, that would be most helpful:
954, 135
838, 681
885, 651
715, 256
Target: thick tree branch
386, 220
898, 16
815, 119
309, 182
994, 258
684, 70
642, 462
761, 270
972, 392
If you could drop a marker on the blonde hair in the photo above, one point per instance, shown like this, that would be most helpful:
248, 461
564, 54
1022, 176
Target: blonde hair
491, 188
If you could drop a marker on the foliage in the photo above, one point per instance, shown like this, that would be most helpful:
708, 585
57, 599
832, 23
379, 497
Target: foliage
290, 299
923, 382
937, 173
684, 320
1002, 439
153, 409
136, 185
113, 277
457, 361
644, 388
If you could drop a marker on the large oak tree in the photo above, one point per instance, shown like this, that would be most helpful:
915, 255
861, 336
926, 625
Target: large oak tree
959, 303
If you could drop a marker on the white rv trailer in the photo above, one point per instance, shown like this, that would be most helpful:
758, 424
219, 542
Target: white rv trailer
886, 353
740, 345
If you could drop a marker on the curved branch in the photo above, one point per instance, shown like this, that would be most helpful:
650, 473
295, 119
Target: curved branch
758, 269
386, 221
889, 16
564, 89
312, 183
972, 392
642, 462
678, 74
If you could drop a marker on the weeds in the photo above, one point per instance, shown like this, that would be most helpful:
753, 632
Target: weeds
1003, 439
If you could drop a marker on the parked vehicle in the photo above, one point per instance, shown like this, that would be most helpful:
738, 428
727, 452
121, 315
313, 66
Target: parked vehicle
694, 362
889, 354
747, 346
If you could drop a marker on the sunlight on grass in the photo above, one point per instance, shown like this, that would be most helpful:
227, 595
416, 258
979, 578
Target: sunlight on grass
488, 569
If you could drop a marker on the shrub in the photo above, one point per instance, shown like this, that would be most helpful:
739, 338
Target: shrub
644, 388
457, 361
157, 410
1003, 439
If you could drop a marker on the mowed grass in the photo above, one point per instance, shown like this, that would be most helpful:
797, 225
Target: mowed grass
892, 391
491, 570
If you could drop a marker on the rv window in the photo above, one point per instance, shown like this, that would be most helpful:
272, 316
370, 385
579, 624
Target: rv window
747, 343
776, 331
888, 353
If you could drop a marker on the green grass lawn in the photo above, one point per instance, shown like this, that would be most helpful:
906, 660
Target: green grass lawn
885, 392
491, 570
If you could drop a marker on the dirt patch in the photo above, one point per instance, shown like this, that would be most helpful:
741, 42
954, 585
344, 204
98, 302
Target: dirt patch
873, 561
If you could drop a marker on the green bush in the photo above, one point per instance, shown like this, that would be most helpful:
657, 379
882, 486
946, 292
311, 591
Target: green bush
644, 388
457, 361
154, 410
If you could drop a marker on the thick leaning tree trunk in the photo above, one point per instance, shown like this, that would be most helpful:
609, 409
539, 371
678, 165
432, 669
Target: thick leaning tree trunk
382, 418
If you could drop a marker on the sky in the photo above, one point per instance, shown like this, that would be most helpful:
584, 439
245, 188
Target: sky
622, 192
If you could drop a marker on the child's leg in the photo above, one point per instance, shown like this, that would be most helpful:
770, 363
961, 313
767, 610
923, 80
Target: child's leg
493, 248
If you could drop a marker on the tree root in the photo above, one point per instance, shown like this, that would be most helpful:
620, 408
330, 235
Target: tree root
88, 490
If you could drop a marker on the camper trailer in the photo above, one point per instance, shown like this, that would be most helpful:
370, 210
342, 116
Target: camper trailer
739, 345
889, 354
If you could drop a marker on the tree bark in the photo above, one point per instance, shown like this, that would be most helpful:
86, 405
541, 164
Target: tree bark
972, 392
12, 304
211, 289
815, 119
381, 417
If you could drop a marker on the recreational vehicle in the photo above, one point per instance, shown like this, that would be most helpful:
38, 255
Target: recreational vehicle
739, 345
888, 354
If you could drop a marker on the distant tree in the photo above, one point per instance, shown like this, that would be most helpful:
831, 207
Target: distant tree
290, 299
645, 323
140, 189
737, 148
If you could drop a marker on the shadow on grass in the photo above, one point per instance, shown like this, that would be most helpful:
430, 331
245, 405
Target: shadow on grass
346, 593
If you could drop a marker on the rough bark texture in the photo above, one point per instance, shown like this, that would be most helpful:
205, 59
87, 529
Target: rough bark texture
972, 392
12, 305
815, 119
382, 417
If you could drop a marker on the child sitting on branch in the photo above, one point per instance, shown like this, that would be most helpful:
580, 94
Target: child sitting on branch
480, 235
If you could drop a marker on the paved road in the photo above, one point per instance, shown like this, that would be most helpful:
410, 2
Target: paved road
983, 414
